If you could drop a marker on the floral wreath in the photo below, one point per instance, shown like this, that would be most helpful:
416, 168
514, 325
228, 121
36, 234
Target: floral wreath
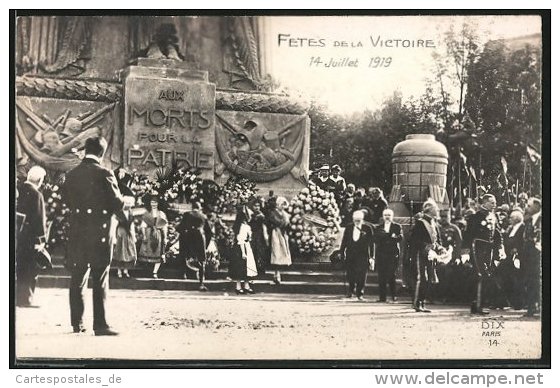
314, 220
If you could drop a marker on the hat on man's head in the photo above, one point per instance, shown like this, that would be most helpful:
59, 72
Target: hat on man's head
336, 168
95, 146
324, 167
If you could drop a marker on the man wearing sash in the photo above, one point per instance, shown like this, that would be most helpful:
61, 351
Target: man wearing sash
485, 244
423, 240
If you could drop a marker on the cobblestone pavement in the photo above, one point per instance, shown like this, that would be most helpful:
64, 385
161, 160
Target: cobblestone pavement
192, 325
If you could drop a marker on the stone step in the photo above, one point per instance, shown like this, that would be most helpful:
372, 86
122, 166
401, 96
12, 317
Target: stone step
217, 285
291, 274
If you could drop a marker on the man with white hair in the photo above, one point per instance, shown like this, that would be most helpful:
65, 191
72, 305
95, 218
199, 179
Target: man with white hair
387, 238
32, 237
357, 249
424, 238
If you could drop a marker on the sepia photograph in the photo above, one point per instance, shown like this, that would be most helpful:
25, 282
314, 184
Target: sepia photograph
214, 188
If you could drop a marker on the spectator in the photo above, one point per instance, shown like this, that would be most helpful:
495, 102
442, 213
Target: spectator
153, 235
32, 235
242, 264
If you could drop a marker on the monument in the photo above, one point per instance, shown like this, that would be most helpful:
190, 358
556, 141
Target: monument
163, 90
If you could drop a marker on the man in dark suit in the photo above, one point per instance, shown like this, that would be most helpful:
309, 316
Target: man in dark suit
92, 194
32, 235
387, 237
423, 239
194, 236
531, 257
508, 272
376, 203
357, 249
483, 226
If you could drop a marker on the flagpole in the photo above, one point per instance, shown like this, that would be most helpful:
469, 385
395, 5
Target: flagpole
460, 203
516, 190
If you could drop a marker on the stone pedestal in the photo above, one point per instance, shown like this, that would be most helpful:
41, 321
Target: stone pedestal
169, 113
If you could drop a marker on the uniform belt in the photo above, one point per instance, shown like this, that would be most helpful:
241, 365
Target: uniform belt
90, 211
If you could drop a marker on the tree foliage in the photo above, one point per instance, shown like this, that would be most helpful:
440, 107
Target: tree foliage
498, 115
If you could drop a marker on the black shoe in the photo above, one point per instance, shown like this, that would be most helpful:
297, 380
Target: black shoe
239, 291
79, 329
419, 307
106, 331
360, 298
424, 309
249, 291
395, 299
349, 295
381, 301
202, 288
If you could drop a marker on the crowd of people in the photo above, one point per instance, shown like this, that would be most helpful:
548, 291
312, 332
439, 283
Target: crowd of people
488, 254
493, 259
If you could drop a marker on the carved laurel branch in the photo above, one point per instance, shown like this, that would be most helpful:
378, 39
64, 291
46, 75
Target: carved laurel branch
68, 89
71, 89
257, 102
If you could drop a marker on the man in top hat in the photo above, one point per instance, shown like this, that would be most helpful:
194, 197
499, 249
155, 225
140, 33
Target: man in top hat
357, 249
32, 235
92, 194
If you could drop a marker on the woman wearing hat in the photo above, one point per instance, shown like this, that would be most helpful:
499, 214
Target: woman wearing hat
124, 243
279, 221
337, 183
153, 234
242, 264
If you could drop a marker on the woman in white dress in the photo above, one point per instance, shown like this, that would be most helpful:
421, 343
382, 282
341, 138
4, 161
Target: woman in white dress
279, 220
242, 266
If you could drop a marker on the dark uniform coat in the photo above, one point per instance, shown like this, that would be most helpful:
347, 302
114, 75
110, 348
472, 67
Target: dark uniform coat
424, 237
92, 194
480, 226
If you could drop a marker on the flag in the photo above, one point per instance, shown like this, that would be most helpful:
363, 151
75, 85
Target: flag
473, 172
533, 154
504, 164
